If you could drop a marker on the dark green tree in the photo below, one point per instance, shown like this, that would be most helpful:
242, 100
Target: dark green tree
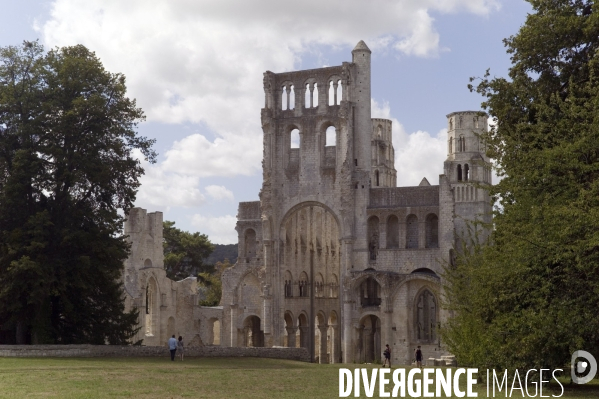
211, 284
184, 252
530, 298
67, 167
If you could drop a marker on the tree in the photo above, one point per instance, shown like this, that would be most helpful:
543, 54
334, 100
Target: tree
184, 252
222, 252
67, 167
529, 299
211, 284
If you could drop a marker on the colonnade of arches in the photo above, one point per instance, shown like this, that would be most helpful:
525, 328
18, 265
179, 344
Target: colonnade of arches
311, 90
327, 344
411, 233
421, 326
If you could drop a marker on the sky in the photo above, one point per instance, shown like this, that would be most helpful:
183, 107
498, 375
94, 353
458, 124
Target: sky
195, 67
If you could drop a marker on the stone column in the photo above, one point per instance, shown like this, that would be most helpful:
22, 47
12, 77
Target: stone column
323, 359
246, 335
233, 326
348, 349
335, 345
291, 333
304, 331
386, 331
368, 344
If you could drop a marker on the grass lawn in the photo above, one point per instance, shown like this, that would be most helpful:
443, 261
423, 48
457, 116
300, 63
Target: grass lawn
193, 378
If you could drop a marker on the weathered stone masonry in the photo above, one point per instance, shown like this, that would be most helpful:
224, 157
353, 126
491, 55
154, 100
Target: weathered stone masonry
333, 257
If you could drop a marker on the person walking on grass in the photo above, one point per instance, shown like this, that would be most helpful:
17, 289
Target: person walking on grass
418, 357
172, 346
387, 354
180, 346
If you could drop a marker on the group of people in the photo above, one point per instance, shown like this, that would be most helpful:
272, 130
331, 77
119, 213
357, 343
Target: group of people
174, 345
417, 356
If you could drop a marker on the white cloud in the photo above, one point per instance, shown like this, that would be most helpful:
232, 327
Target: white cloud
162, 189
219, 193
220, 229
417, 154
198, 156
202, 61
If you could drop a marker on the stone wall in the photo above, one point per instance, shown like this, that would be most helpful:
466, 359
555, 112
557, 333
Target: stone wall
299, 354
391, 197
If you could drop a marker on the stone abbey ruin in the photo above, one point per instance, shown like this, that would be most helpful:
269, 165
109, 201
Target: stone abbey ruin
333, 257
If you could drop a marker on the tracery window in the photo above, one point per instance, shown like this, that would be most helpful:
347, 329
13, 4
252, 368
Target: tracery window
426, 317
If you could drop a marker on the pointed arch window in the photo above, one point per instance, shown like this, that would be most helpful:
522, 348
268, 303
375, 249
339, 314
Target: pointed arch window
426, 317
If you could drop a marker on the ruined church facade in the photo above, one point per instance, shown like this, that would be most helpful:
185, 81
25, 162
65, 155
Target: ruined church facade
334, 257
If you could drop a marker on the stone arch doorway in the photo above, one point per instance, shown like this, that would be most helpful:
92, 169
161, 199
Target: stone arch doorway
253, 336
291, 331
369, 340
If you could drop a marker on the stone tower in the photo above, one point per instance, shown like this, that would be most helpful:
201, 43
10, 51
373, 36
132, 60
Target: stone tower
468, 169
334, 257
383, 155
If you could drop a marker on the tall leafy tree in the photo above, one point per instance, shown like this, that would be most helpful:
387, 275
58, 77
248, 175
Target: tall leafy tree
67, 167
184, 252
211, 285
530, 298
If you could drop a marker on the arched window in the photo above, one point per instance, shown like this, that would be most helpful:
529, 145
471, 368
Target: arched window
147, 263
303, 285
432, 231
288, 288
151, 312
373, 237
331, 93
319, 286
412, 231
295, 138
331, 136
459, 172
370, 293
315, 96
426, 317
392, 232
376, 178
339, 91
284, 99
466, 172
308, 97
334, 286
250, 244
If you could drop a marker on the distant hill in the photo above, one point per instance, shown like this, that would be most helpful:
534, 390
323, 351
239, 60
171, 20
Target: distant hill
222, 252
